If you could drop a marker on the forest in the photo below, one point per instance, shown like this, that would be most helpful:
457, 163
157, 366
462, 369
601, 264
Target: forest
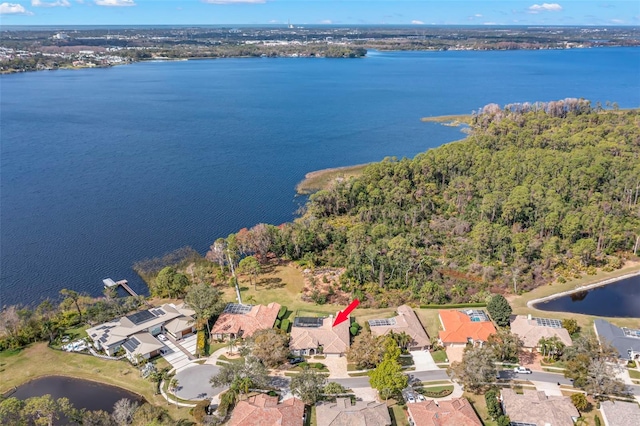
536, 192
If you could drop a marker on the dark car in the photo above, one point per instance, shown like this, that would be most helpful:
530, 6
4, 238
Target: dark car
294, 361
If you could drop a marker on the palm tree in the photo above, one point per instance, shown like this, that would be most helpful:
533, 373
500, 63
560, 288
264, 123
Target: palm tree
173, 385
403, 340
543, 344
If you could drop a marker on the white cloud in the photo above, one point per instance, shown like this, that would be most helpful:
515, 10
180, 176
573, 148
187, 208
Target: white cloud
489, 23
416, 22
13, 9
617, 21
478, 15
234, 1
545, 7
326, 22
115, 3
56, 3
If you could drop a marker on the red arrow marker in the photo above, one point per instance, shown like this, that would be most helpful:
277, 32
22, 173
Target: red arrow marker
342, 315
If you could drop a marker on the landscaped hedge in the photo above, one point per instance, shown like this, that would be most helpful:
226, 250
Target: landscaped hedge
284, 325
354, 329
454, 306
282, 312
276, 324
201, 343
439, 394
200, 410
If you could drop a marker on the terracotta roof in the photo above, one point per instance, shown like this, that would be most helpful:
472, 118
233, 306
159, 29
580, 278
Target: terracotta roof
264, 410
260, 317
456, 412
530, 332
334, 340
342, 413
458, 327
406, 321
619, 413
536, 408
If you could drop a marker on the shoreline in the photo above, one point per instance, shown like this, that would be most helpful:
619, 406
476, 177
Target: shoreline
320, 179
531, 303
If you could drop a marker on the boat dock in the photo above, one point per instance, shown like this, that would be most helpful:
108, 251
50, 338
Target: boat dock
108, 282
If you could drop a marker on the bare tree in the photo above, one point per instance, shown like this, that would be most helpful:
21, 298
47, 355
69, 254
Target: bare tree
123, 411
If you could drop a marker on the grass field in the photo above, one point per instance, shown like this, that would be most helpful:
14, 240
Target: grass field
38, 360
439, 356
321, 179
480, 405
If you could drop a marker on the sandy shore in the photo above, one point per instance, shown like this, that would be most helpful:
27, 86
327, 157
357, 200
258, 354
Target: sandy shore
321, 179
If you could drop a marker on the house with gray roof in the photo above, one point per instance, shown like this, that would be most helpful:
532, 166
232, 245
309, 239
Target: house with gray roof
343, 413
625, 340
620, 413
535, 408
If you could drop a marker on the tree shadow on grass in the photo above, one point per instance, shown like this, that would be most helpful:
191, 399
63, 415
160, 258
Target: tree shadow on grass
271, 283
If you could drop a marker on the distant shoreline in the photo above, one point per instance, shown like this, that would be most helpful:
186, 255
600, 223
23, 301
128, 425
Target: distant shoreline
321, 179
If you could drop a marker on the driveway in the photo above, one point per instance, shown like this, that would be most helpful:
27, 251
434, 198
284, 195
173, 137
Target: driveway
454, 353
193, 382
175, 356
423, 361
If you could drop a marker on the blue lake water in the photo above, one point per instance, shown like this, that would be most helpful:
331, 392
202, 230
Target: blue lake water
100, 168
619, 299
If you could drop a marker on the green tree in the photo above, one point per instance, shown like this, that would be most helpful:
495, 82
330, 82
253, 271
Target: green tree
366, 350
170, 283
232, 372
10, 412
250, 266
499, 310
477, 368
505, 345
333, 388
308, 385
206, 301
388, 376
580, 401
73, 297
571, 325
271, 346
493, 404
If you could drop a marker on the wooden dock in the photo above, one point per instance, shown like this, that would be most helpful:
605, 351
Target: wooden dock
108, 282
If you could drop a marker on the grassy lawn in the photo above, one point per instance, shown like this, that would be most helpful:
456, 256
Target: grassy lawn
519, 303
430, 320
312, 417
480, 405
37, 360
634, 374
238, 360
398, 416
439, 356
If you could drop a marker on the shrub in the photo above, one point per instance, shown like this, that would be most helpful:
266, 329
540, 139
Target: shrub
454, 305
354, 329
562, 280
200, 410
493, 405
201, 342
282, 312
580, 401
284, 325
571, 326
276, 324
597, 420
504, 421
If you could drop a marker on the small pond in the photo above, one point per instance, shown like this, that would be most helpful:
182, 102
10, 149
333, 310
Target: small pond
619, 299
82, 393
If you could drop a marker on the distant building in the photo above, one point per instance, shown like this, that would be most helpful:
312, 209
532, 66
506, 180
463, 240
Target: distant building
406, 321
60, 36
620, 413
264, 410
535, 408
625, 340
465, 327
310, 336
244, 320
530, 330
136, 333
456, 412
343, 413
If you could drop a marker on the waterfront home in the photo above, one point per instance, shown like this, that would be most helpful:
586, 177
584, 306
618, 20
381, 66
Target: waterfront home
343, 413
312, 335
531, 329
537, 409
620, 413
265, 410
135, 333
243, 320
625, 340
457, 411
460, 328
406, 321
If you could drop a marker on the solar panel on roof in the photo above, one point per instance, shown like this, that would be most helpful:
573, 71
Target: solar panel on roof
94, 335
547, 322
234, 308
131, 344
102, 327
103, 339
140, 317
308, 322
382, 322
160, 312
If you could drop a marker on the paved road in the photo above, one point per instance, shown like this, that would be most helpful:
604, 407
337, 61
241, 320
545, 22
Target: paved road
536, 377
193, 382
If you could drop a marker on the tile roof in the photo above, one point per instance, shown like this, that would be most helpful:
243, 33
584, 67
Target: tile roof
536, 408
334, 340
456, 412
619, 413
342, 413
458, 327
260, 317
406, 321
530, 332
615, 336
264, 410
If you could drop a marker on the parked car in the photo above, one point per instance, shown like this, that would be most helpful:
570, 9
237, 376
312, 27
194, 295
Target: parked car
421, 398
522, 370
411, 399
297, 360
162, 337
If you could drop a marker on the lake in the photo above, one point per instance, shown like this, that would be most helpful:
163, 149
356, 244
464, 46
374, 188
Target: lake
618, 299
101, 168
81, 393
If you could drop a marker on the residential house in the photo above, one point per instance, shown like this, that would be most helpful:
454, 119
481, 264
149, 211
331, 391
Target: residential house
455, 412
264, 410
310, 335
535, 408
343, 413
464, 327
625, 340
530, 330
243, 320
135, 333
406, 321
620, 413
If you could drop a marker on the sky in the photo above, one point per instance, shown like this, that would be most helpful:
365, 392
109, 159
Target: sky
306, 12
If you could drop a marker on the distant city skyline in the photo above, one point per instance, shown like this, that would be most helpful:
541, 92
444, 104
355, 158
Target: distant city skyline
420, 13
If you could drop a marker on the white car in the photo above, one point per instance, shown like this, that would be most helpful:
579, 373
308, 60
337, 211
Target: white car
162, 337
522, 370
421, 398
411, 399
